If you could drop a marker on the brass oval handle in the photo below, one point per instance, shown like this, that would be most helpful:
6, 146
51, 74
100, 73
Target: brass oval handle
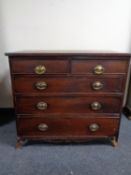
99, 69
96, 106
43, 127
40, 69
41, 105
97, 85
94, 127
41, 85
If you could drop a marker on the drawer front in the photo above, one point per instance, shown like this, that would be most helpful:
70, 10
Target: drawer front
79, 84
99, 66
38, 67
41, 105
67, 127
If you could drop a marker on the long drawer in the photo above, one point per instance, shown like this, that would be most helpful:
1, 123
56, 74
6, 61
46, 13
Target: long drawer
66, 84
67, 127
67, 104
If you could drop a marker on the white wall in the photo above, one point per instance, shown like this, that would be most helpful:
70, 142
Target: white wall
61, 25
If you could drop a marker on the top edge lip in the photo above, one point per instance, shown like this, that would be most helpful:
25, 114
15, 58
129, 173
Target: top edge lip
67, 52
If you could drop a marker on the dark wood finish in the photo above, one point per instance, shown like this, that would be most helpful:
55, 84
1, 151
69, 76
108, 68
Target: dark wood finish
26, 105
70, 115
68, 127
110, 66
104, 54
27, 84
68, 94
27, 66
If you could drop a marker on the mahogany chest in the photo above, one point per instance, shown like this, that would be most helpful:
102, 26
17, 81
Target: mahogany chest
68, 96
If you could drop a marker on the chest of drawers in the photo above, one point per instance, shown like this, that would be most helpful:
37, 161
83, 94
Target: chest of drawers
68, 96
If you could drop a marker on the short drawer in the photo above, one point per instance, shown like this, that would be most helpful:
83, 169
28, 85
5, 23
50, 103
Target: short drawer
68, 104
39, 66
43, 85
99, 66
67, 127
